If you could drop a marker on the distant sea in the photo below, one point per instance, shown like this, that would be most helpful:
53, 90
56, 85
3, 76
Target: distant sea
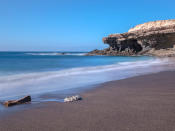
37, 73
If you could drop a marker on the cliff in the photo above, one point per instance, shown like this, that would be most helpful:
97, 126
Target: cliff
152, 38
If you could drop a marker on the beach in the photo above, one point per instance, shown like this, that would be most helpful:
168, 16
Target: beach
87, 65
141, 103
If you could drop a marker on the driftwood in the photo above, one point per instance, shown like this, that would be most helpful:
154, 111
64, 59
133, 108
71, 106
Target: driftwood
17, 102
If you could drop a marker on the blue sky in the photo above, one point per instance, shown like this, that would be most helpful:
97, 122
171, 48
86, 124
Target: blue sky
73, 25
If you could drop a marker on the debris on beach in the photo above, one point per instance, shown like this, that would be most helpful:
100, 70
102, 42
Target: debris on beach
24, 100
72, 98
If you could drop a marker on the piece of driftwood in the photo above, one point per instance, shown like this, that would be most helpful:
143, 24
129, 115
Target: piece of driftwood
24, 100
72, 98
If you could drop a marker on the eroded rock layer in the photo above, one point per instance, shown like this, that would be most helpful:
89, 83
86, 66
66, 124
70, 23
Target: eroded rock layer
147, 38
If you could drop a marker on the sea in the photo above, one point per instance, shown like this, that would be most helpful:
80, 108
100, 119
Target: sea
64, 73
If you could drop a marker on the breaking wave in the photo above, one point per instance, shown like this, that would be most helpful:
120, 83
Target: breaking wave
38, 82
78, 71
56, 54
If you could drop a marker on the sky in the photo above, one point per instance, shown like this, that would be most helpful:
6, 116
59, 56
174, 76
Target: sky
73, 25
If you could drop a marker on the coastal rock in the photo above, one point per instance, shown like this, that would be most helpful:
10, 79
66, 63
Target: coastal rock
17, 102
145, 39
72, 98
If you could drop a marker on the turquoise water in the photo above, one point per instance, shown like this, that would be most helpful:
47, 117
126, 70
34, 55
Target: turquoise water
27, 62
37, 73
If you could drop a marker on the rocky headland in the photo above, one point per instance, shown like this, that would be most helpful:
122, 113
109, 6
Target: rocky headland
155, 38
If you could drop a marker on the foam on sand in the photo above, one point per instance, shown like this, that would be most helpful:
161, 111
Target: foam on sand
43, 82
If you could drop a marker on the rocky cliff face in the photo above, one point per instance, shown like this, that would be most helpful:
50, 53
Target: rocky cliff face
148, 38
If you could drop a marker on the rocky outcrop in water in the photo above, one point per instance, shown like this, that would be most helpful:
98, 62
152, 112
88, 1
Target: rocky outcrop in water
152, 38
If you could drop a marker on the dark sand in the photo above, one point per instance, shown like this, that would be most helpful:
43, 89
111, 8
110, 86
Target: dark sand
144, 103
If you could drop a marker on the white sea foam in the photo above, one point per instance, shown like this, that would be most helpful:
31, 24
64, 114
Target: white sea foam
56, 54
31, 83
43, 54
81, 70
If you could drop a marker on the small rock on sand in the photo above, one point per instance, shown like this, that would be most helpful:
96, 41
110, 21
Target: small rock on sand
72, 98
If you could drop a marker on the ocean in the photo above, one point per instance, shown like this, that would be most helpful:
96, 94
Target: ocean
39, 73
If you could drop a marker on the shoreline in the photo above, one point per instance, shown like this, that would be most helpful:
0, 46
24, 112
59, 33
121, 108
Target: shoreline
79, 77
138, 103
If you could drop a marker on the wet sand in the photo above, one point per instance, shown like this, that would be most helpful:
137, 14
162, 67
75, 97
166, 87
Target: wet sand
143, 103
